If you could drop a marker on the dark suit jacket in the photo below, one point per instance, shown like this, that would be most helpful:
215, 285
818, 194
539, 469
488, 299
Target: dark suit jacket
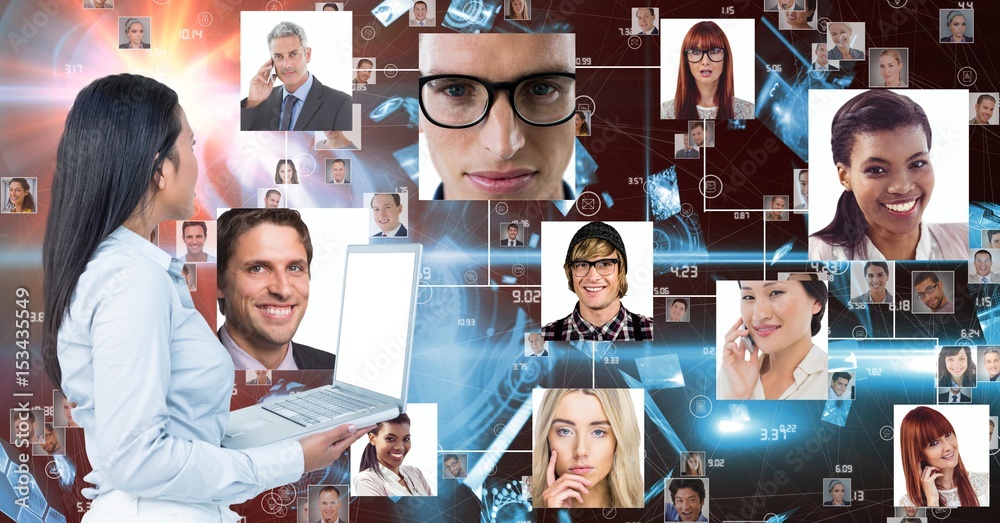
400, 233
517, 243
306, 357
126, 46
945, 397
325, 109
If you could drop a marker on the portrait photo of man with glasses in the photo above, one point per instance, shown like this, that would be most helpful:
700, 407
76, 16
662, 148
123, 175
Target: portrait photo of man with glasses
496, 116
933, 293
596, 270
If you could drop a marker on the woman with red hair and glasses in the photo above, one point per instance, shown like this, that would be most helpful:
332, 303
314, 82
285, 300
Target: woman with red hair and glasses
933, 468
705, 79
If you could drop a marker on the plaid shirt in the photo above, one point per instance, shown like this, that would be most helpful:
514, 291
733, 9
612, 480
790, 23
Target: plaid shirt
621, 328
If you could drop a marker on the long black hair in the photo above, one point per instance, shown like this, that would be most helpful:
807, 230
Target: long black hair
118, 133
872, 111
818, 291
370, 457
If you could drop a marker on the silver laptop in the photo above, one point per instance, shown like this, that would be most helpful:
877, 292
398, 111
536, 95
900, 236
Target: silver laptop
373, 354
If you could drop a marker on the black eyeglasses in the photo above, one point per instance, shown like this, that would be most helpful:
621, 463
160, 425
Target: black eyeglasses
930, 288
456, 101
715, 54
604, 267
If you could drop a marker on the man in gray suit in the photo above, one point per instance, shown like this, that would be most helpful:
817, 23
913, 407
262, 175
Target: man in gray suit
302, 103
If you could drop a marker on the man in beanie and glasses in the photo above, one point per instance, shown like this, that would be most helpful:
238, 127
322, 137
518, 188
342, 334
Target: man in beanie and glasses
596, 265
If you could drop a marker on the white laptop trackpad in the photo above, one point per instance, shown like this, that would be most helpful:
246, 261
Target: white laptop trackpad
248, 425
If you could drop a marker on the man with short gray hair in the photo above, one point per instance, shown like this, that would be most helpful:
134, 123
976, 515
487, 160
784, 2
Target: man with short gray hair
301, 103
991, 362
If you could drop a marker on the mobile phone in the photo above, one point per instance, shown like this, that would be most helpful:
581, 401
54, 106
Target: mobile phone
749, 338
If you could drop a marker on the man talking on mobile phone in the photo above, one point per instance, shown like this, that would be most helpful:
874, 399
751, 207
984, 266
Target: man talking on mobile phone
301, 103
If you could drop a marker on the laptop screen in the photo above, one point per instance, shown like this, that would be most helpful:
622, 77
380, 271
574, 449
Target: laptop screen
375, 324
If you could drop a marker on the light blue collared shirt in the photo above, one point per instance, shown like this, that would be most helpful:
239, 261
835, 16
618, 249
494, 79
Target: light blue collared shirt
153, 385
301, 93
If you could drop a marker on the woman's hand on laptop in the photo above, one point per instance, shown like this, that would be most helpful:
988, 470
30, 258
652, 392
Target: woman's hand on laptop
320, 450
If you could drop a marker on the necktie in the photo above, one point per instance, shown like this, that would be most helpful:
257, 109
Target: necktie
985, 279
421, 24
286, 117
954, 398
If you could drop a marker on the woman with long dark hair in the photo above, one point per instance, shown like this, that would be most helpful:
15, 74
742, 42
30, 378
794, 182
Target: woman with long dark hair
150, 380
19, 197
956, 367
778, 320
580, 123
881, 144
285, 172
382, 472
932, 465
705, 88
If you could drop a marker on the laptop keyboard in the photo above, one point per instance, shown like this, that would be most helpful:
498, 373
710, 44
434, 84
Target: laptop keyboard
318, 407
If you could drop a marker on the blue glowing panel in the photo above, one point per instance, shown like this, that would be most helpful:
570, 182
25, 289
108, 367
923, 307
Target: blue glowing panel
384, 109
412, 107
408, 160
65, 469
781, 252
53, 516
564, 206
787, 104
391, 10
471, 16
27, 516
664, 197
586, 167
835, 412
508, 503
609, 201
660, 372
